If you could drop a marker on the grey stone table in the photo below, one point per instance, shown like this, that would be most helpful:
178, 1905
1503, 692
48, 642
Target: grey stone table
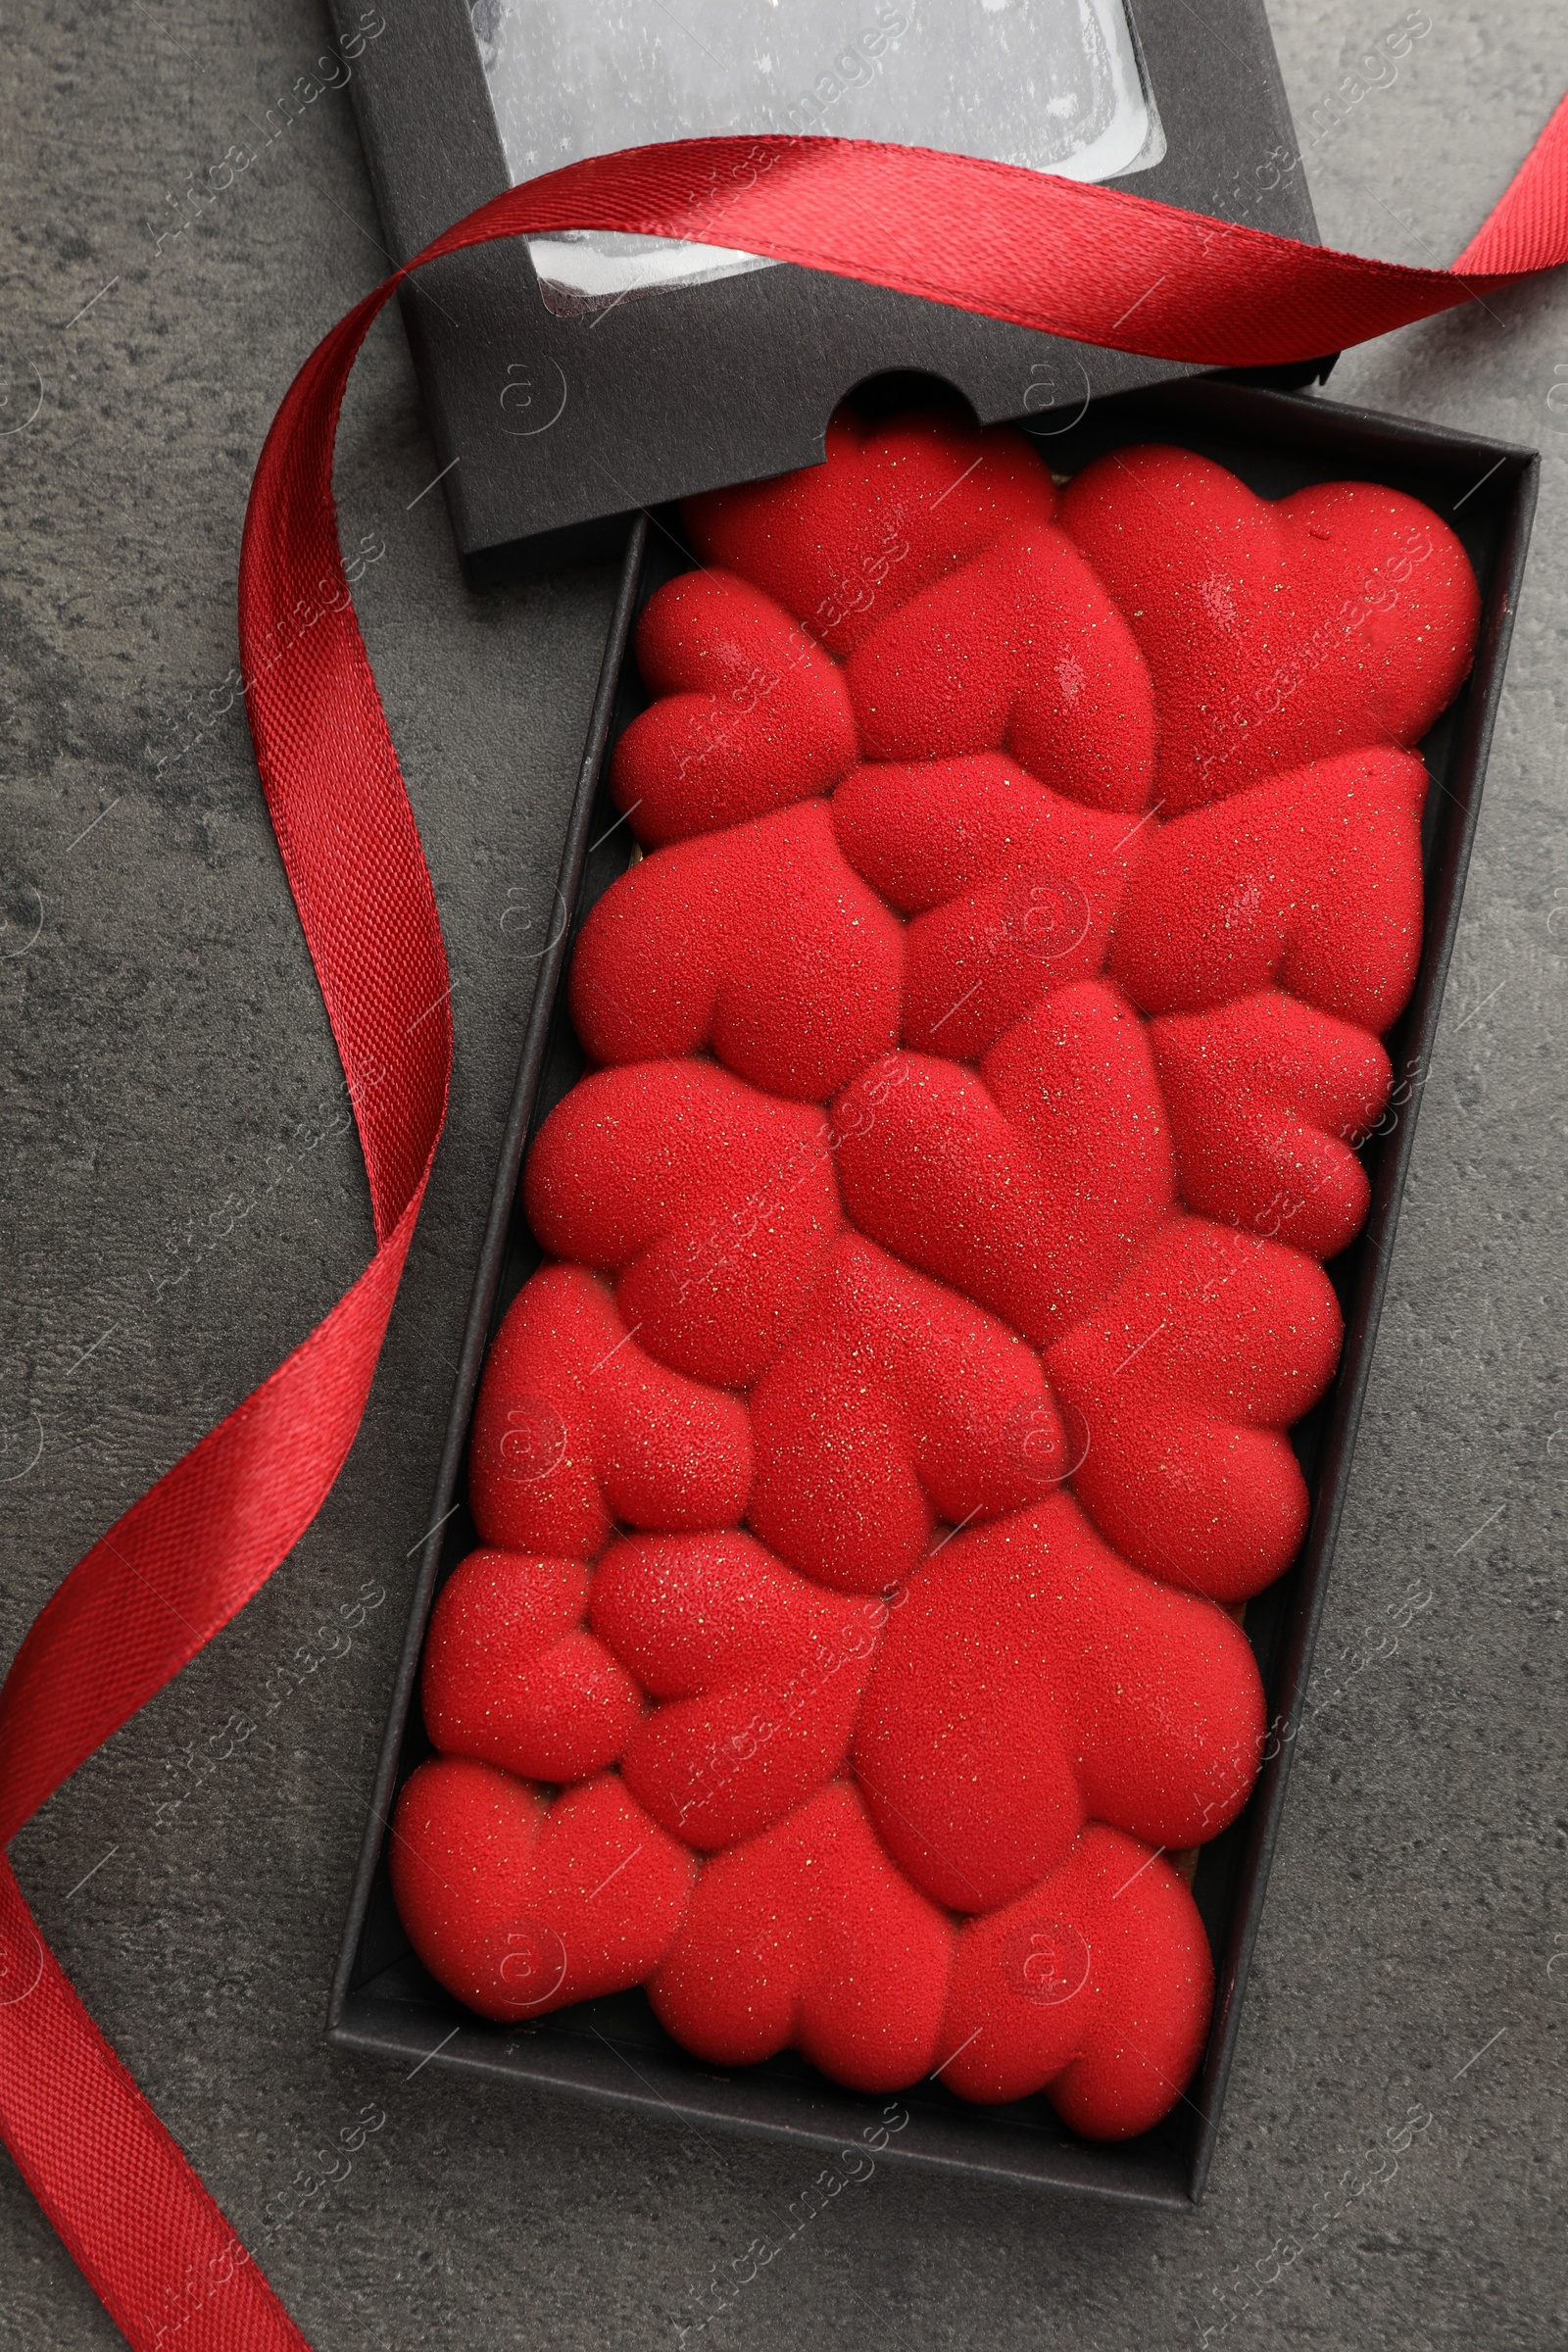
165, 1049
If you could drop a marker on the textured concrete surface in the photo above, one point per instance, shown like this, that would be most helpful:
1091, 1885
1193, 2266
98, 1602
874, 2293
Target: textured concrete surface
165, 1049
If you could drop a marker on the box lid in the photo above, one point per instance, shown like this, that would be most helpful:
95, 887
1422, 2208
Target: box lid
570, 383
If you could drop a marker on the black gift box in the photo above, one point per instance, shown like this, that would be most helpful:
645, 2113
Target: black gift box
555, 418
615, 2050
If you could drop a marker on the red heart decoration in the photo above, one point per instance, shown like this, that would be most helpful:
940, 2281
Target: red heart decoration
1013, 889
1186, 1382
1021, 648
577, 1427
760, 942
511, 1678
1029, 1680
896, 1404
505, 1897
1276, 631
1029, 1187
1267, 1100
1095, 1988
761, 1673
1312, 883
750, 714
894, 507
715, 1205
807, 1936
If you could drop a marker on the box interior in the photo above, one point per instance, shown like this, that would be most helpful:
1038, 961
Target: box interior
615, 2049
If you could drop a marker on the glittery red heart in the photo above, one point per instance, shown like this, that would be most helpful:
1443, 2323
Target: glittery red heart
1276, 631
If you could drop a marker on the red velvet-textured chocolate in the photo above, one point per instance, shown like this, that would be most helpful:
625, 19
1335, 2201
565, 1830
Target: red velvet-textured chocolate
1267, 1100
1029, 1183
760, 1673
1013, 888
1275, 632
715, 1207
1031, 1680
1096, 1983
511, 1676
761, 943
896, 508
578, 1428
750, 714
1021, 649
1310, 882
985, 1045
502, 1890
1186, 1382
897, 1405
810, 1935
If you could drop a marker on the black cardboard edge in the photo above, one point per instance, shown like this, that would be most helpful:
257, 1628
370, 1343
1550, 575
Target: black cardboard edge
1153, 2177
665, 400
358, 2031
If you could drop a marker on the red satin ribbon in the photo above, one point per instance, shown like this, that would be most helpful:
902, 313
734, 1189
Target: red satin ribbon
1091, 264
